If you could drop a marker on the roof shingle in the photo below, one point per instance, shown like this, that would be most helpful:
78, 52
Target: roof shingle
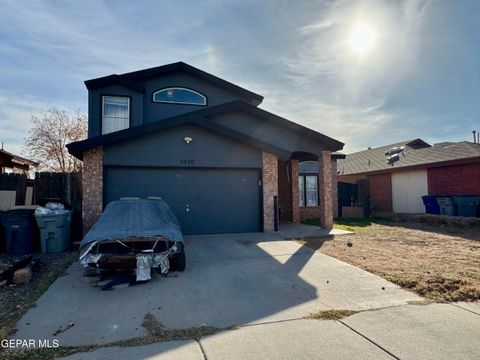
417, 152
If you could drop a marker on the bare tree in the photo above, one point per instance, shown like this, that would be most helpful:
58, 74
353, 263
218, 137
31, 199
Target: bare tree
48, 137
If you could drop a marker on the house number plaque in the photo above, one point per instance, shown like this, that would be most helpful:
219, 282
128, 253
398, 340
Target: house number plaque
187, 162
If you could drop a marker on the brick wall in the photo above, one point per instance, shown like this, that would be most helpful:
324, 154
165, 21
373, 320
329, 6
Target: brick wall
310, 212
380, 191
270, 189
328, 193
92, 185
294, 199
325, 188
334, 189
288, 191
454, 180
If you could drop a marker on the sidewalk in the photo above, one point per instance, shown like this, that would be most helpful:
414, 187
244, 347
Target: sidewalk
435, 331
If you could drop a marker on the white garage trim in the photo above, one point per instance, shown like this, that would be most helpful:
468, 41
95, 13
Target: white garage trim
408, 187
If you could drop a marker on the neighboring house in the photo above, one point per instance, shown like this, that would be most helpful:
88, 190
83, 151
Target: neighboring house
442, 169
203, 145
10, 163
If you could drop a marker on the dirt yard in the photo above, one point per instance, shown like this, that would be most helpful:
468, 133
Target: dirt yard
441, 264
15, 300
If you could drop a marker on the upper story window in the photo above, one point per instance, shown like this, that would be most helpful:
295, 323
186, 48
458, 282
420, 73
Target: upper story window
179, 95
115, 113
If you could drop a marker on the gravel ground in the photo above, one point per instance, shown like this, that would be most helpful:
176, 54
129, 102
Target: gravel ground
439, 263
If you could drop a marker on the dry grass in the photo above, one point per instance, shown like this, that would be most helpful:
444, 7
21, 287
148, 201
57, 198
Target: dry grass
331, 314
348, 224
155, 333
440, 263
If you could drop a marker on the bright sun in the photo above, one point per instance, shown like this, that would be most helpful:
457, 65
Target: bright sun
362, 38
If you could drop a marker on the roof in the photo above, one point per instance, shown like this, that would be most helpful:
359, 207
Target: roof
17, 159
200, 117
338, 155
132, 80
417, 153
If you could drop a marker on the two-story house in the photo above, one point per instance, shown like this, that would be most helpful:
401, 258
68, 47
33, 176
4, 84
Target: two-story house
203, 145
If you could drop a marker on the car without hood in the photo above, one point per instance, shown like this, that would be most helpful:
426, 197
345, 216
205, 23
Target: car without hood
135, 234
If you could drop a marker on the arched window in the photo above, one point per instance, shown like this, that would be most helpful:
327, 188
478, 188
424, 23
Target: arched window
308, 183
308, 167
179, 95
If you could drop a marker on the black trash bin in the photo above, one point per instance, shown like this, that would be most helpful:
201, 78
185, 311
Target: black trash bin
466, 205
18, 231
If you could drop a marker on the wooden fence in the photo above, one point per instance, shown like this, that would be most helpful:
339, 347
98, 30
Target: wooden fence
18, 183
65, 187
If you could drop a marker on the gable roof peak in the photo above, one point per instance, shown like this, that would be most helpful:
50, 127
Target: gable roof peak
132, 79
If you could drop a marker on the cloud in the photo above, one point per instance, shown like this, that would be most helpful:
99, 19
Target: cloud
15, 115
420, 79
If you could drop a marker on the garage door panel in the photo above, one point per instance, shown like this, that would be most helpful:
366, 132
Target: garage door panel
204, 200
408, 187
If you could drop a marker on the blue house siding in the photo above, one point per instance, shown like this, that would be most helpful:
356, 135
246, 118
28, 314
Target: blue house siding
212, 184
142, 108
169, 149
95, 107
156, 111
269, 132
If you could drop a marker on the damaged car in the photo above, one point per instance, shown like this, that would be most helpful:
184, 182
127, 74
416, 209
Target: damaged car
134, 234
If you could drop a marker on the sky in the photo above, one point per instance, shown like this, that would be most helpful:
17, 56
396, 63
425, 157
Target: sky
420, 78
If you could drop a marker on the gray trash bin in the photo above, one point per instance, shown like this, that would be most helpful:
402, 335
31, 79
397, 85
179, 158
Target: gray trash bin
54, 232
445, 203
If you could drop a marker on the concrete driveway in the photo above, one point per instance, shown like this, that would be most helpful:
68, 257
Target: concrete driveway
237, 279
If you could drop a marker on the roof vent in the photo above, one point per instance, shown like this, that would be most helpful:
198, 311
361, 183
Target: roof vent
395, 150
393, 159
394, 154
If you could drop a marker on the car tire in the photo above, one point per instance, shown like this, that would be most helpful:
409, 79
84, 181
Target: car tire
179, 262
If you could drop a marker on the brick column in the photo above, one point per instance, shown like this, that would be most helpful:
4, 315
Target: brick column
334, 189
325, 188
270, 188
92, 187
294, 183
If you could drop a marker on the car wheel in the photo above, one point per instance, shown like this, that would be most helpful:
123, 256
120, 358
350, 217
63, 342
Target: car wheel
179, 262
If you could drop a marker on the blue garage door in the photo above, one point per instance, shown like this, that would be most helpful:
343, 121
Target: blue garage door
205, 201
